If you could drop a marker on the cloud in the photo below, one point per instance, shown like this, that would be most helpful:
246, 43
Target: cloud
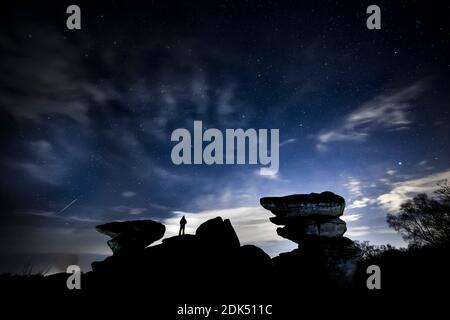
128, 194
354, 187
226, 100
45, 76
46, 166
388, 111
361, 203
287, 141
364, 231
351, 217
268, 174
401, 191
391, 172
355, 190
134, 211
48, 77
358, 231
128, 210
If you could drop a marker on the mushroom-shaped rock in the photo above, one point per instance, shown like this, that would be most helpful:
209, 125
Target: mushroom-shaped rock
307, 215
306, 227
326, 203
129, 236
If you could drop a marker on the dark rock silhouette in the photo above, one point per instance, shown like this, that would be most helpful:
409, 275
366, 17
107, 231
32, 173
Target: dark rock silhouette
209, 259
304, 215
214, 254
311, 220
211, 267
326, 203
219, 233
297, 229
212, 262
130, 236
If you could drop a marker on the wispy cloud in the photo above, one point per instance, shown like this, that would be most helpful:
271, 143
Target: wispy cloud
354, 187
358, 231
351, 217
47, 166
269, 174
128, 210
48, 77
361, 203
287, 141
128, 194
385, 111
404, 190
364, 231
391, 172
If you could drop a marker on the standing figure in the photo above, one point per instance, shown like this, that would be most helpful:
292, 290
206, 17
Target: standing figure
182, 225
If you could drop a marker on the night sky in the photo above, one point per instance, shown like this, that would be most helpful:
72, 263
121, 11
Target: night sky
86, 115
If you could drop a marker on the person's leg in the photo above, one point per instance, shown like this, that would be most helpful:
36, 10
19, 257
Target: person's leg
179, 232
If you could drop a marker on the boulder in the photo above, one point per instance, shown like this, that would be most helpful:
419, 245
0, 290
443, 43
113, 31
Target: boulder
307, 215
129, 236
319, 262
297, 229
314, 204
218, 233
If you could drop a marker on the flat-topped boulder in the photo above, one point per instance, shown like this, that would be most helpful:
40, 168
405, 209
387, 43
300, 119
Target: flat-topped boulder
129, 236
299, 229
307, 215
326, 203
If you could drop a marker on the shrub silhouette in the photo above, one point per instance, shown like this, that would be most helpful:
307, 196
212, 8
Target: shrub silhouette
424, 220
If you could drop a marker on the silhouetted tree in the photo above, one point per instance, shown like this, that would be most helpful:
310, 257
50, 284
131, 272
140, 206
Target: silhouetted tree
424, 220
369, 251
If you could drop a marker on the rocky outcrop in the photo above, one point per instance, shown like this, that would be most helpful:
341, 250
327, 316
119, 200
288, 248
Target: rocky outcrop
304, 215
218, 232
129, 236
213, 257
312, 221
211, 260
313, 204
297, 229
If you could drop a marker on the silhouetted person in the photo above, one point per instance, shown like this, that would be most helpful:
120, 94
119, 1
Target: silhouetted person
182, 224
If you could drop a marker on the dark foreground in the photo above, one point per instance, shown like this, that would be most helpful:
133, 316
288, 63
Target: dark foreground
211, 269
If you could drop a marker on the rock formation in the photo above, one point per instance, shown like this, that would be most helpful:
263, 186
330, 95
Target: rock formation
304, 215
213, 257
219, 233
129, 236
211, 260
312, 221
